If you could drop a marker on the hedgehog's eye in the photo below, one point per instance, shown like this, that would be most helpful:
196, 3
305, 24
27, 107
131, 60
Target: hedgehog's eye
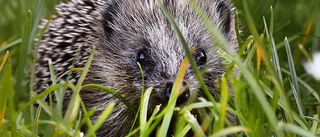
141, 58
201, 58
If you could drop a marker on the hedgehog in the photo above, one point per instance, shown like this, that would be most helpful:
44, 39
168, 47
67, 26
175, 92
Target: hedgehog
125, 32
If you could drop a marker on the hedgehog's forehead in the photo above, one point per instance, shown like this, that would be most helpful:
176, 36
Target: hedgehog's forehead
143, 19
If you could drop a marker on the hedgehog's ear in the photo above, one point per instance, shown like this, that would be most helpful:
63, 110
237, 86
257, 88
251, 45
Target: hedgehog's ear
108, 17
225, 15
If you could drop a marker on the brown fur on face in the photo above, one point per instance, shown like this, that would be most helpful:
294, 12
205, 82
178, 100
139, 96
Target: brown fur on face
126, 32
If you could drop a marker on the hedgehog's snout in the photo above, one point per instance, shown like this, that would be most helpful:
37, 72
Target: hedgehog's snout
183, 97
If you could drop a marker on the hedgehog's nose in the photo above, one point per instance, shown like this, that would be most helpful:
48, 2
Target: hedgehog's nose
184, 96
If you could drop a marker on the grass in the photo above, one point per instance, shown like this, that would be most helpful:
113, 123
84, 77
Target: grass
273, 96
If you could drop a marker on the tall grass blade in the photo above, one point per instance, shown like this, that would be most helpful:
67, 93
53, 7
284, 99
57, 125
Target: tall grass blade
174, 95
23, 56
176, 86
294, 79
35, 131
189, 54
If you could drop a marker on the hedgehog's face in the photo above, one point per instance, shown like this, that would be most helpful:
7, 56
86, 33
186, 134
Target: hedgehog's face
138, 32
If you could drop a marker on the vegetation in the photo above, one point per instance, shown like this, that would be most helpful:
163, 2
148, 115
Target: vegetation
273, 94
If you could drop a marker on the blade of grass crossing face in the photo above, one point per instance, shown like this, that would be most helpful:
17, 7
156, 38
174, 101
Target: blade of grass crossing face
294, 80
173, 97
23, 56
189, 55
142, 93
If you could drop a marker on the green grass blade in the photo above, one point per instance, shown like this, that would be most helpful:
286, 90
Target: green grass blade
11, 44
223, 103
315, 124
271, 20
184, 131
275, 61
87, 115
295, 87
23, 56
230, 130
295, 129
7, 97
306, 85
151, 120
34, 130
189, 55
192, 121
290, 39
74, 104
101, 119
35, 21
43, 93
245, 45
176, 86
144, 109
115, 94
